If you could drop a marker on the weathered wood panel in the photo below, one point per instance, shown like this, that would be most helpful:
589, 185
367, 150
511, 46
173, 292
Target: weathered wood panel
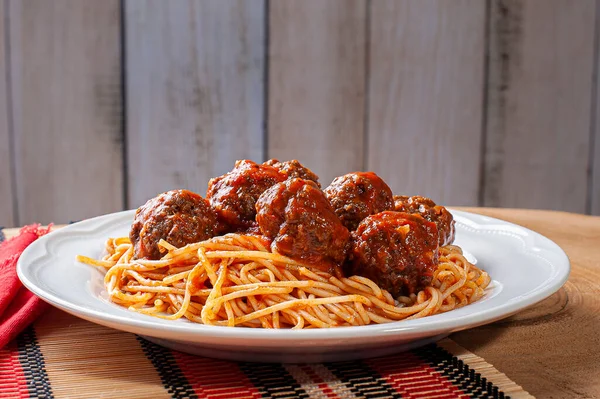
538, 124
6, 193
66, 93
594, 161
594, 182
394, 86
317, 84
426, 97
195, 74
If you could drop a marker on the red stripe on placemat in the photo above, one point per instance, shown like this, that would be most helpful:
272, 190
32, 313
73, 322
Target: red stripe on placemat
413, 378
12, 379
211, 378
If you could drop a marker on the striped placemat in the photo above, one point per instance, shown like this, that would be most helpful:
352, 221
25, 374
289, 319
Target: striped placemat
61, 356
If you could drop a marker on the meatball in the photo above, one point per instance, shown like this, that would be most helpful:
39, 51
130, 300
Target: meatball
357, 195
294, 169
179, 217
302, 224
234, 194
430, 211
252, 230
399, 251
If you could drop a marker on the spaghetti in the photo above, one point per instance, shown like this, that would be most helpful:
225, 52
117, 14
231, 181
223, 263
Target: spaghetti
234, 280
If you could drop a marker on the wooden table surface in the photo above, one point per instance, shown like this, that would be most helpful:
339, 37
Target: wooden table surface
551, 349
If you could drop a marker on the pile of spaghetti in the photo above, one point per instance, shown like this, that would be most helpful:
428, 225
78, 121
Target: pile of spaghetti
234, 280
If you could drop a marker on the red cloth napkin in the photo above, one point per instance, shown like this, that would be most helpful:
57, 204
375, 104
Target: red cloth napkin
18, 306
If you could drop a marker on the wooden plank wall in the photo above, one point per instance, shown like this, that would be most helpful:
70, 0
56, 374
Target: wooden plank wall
6, 204
426, 97
66, 105
594, 158
194, 78
104, 104
317, 84
540, 103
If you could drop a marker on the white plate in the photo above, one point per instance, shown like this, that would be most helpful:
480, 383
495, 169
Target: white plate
525, 266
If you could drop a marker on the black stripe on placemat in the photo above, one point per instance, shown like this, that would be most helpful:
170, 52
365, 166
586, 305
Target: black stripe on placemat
170, 374
272, 380
459, 373
362, 380
34, 367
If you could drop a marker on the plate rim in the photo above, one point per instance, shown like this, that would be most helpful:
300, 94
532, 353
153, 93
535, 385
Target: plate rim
195, 332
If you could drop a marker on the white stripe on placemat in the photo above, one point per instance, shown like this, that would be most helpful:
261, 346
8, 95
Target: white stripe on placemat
316, 387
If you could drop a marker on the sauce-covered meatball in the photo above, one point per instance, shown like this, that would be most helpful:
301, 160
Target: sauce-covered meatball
234, 194
430, 211
294, 169
357, 195
179, 217
302, 224
399, 251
